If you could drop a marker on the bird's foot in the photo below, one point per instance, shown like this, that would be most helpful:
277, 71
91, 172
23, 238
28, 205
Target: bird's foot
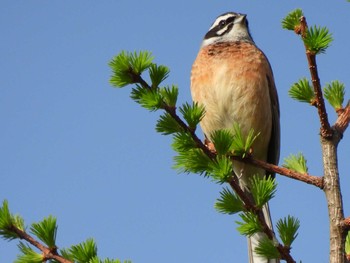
210, 145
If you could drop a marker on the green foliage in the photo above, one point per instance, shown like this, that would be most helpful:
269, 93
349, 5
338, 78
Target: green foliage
192, 161
97, 260
228, 203
317, 39
82, 252
262, 189
148, 98
158, 74
223, 141
167, 125
302, 91
126, 65
287, 229
267, 248
7, 221
183, 142
334, 93
347, 244
292, 20
242, 144
296, 163
250, 224
192, 113
169, 95
28, 255
220, 169
127, 68
46, 231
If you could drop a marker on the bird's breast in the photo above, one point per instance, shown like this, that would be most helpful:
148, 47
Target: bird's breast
231, 82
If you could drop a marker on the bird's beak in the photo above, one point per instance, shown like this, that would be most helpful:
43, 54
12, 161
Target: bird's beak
241, 19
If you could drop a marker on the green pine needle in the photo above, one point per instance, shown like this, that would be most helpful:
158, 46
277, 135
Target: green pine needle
147, 98
66, 254
28, 255
302, 91
242, 144
192, 161
222, 140
141, 61
347, 244
287, 229
221, 169
262, 189
296, 163
170, 95
267, 249
167, 125
334, 93
183, 141
292, 20
193, 114
84, 251
8, 221
228, 203
317, 39
107, 260
126, 65
46, 231
250, 224
158, 74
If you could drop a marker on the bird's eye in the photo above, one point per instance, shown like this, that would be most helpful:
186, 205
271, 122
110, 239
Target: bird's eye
222, 23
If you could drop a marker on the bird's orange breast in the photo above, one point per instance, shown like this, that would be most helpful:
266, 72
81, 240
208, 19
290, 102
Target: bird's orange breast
231, 81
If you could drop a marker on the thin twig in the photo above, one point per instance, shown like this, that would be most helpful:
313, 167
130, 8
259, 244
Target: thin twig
47, 252
186, 128
343, 120
172, 111
326, 130
306, 178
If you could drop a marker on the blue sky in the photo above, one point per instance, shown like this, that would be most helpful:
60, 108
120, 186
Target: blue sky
76, 148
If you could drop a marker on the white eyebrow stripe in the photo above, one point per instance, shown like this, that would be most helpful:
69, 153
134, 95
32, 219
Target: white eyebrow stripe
217, 21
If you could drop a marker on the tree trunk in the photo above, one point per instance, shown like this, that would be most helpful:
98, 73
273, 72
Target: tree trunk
334, 198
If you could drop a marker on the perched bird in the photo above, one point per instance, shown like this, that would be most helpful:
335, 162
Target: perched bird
232, 78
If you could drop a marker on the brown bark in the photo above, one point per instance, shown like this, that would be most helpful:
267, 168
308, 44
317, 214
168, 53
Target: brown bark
334, 200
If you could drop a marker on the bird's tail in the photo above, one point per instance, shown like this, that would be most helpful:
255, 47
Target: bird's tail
253, 241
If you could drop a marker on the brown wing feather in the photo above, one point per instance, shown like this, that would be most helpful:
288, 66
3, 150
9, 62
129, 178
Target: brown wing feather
274, 144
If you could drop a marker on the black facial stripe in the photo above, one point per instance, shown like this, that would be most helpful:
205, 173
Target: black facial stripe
230, 19
214, 31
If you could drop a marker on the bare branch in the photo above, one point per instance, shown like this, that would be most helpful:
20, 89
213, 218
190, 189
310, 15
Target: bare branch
326, 130
306, 178
343, 120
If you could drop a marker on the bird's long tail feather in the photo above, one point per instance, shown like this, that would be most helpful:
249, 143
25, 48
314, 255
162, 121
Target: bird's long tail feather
253, 241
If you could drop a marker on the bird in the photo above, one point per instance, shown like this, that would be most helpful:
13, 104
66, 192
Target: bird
233, 79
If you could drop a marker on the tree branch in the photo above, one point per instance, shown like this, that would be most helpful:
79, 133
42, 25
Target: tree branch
306, 178
346, 223
184, 126
343, 120
172, 111
250, 206
334, 198
47, 252
326, 130
244, 196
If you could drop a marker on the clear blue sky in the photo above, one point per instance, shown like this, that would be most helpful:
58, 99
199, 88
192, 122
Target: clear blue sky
76, 148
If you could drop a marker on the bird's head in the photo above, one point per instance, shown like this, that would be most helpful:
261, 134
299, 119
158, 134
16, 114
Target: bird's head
228, 27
